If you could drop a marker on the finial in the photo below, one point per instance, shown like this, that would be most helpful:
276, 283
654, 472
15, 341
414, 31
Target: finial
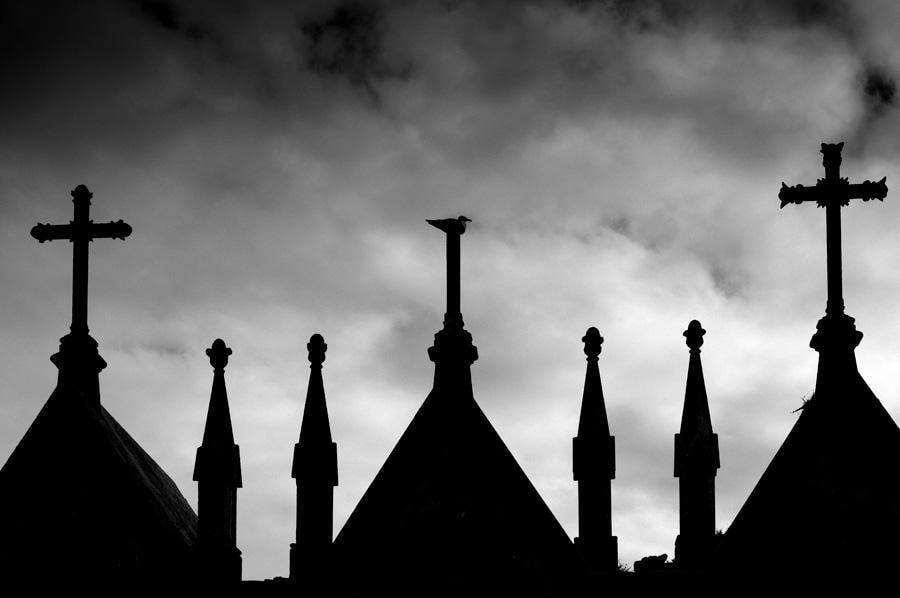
694, 335
316, 347
81, 193
592, 341
831, 154
218, 354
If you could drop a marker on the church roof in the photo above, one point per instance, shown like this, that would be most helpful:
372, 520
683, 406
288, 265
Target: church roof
451, 511
830, 499
81, 500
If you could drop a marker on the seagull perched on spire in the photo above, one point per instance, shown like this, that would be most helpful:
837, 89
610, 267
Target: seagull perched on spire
456, 226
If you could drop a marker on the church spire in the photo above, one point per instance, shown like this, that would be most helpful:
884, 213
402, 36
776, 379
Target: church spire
315, 471
836, 335
78, 360
217, 471
696, 462
594, 466
453, 352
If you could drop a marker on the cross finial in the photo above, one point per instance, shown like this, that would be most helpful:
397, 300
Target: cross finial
694, 335
316, 347
218, 354
592, 342
832, 193
81, 194
81, 230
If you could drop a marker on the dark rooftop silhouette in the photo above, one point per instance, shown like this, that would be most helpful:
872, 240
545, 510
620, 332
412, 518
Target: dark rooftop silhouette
81, 503
593, 467
451, 512
828, 505
696, 462
217, 471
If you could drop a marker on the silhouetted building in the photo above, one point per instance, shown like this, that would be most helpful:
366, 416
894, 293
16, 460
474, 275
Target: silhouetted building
451, 512
217, 471
81, 504
696, 462
828, 505
315, 471
594, 467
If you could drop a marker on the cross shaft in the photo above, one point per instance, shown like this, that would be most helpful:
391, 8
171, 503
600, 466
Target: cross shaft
832, 193
80, 231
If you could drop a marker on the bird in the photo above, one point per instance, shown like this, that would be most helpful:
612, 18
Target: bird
456, 226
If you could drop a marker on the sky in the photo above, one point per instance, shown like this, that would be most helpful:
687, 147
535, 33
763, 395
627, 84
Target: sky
620, 161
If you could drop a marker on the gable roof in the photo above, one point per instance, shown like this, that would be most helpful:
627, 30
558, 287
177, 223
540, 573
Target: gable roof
80, 499
829, 502
451, 511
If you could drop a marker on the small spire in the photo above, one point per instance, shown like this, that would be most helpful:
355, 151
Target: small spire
220, 453
594, 466
696, 462
315, 429
217, 471
593, 420
314, 468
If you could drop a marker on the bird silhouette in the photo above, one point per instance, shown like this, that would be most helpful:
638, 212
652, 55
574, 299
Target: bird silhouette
456, 226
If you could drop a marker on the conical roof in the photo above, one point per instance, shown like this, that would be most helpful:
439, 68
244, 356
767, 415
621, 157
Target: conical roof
829, 502
82, 502
451, 512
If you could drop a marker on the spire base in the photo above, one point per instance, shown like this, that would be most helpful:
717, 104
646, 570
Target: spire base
79, 363
836, 333
453, 343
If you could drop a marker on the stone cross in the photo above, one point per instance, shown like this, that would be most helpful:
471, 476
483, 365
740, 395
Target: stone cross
832, 193
80, 232
454, 227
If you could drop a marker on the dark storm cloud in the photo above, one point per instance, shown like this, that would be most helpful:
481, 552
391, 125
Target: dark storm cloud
167, 15
879, 90
347, 42
741, 15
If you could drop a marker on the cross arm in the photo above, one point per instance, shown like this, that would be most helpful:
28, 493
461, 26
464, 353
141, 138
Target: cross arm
51, 232
110, 230
797, 194
868, 190
865, 191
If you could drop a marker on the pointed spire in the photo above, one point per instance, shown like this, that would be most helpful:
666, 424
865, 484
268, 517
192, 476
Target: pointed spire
696, 462
594, 466
593, 420
315, 471
217, 470
315, 427
218, 431
696, 424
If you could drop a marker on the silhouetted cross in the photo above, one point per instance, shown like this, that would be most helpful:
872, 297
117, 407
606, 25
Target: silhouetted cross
832, 193
80, 232
454, 227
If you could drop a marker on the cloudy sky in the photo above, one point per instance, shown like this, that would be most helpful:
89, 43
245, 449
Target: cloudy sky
620, 161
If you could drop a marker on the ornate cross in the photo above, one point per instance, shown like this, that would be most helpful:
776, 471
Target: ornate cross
80, 232
454, 227
832, 193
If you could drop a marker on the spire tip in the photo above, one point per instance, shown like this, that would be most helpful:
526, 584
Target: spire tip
316, 347
218, 354
592, 342
694, 335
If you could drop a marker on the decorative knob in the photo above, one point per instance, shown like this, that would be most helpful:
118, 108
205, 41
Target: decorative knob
218, 354
694, 335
